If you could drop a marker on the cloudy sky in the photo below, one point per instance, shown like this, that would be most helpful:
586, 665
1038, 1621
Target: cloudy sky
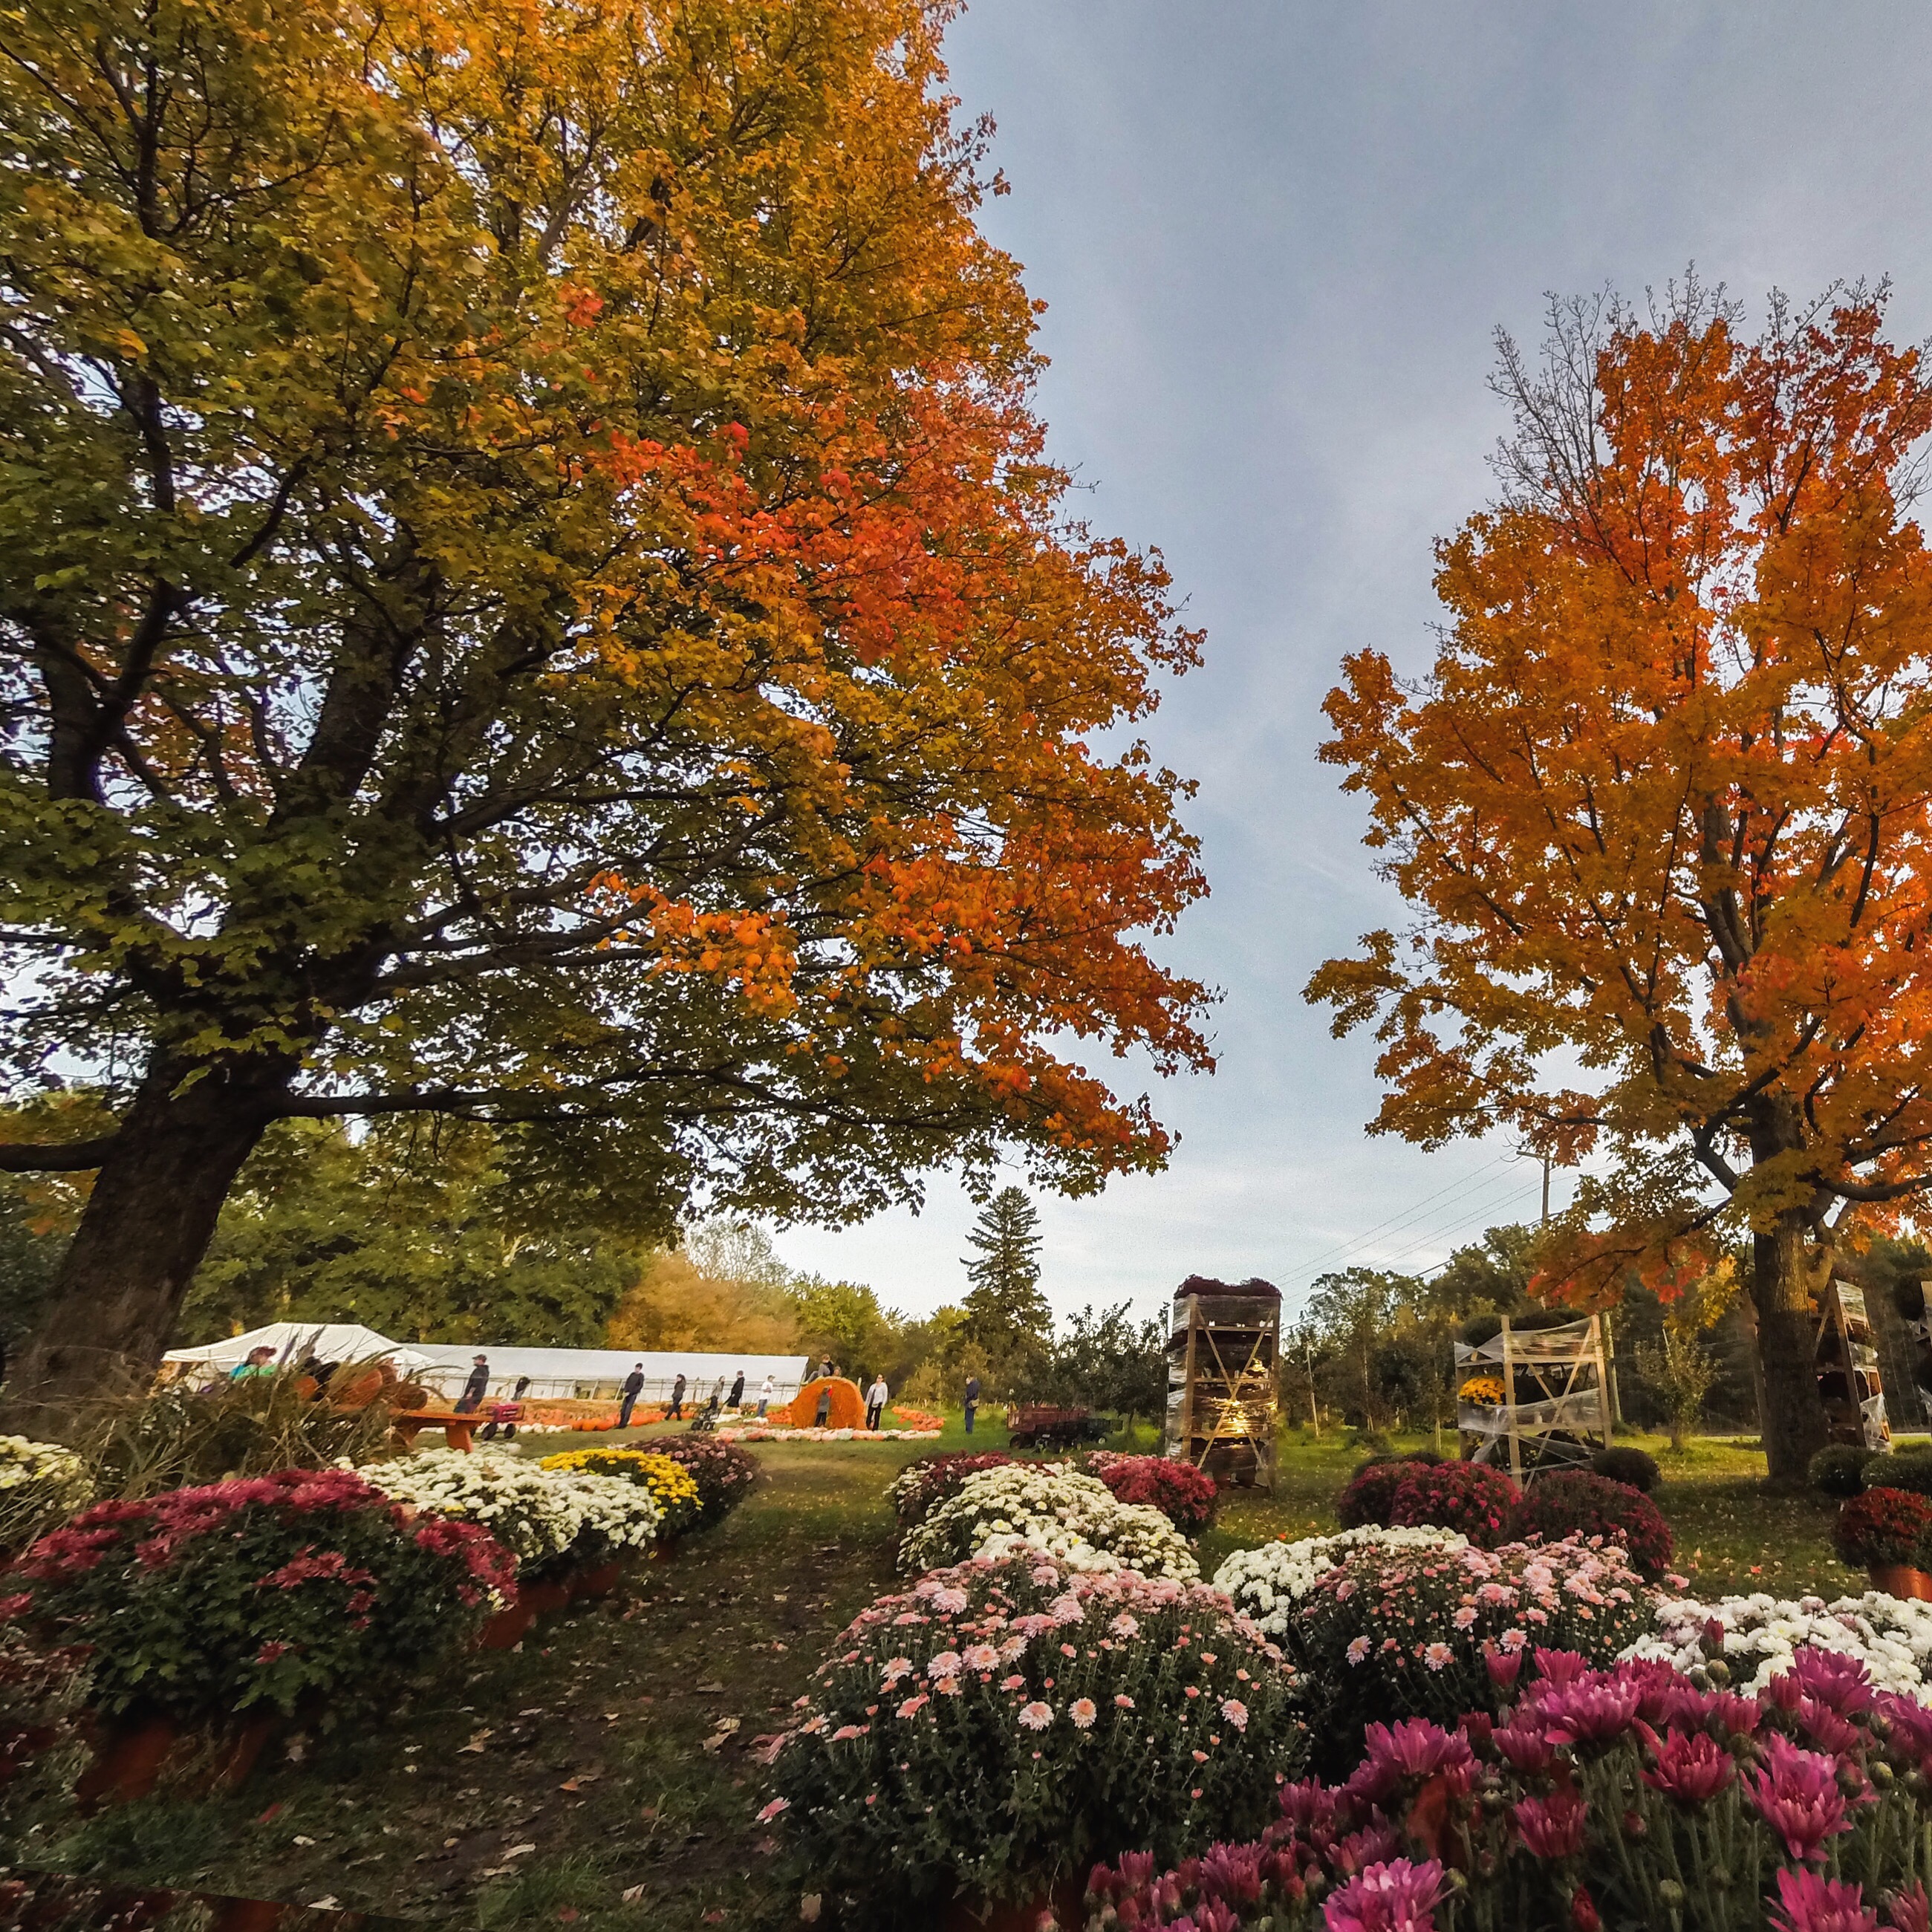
1275, 239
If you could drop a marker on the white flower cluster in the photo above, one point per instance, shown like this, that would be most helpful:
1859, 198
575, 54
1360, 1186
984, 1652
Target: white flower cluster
1269, 1582
1890, 1636
1049, 1508
537, 1512
41, 1484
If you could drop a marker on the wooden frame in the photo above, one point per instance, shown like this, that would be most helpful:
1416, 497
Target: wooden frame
1223, 1393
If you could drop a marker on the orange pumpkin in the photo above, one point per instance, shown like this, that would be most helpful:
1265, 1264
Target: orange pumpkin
847, 1410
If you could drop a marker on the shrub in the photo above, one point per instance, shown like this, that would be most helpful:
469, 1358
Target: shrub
1469, 1498
1838, 1469
1049, 1508
1758, 1637
1004, 1723
305, 1585
672, 1486
725, 1474
928, 1480
1270, 1583
1186, 1496
1882, 1527
1369, 1495
1635, 1469
1911, 1471
1624, 1798
1573, 1503
180, 1436
41, 1484
1427, 1633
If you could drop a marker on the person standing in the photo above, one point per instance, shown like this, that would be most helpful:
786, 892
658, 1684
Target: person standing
765, 1396
675, 1412
735, 1399
475, 1388
634, 1386
876, 1396
972, 1401
824, 1413
717, 1401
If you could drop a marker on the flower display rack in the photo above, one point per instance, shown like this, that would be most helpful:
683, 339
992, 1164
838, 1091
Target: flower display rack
1223, 1393
1555, 1410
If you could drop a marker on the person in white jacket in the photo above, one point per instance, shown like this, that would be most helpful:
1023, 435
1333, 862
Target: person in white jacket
765, 1395
876, 1396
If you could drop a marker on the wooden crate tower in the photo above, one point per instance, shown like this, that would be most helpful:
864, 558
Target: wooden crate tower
1223, 1385
1555, 1409
1846, 1356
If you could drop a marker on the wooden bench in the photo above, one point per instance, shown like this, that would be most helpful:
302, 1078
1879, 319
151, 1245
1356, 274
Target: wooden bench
459, 1430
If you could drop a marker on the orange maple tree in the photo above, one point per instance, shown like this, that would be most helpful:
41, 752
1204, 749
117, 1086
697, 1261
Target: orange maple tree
532, 591
1662, 807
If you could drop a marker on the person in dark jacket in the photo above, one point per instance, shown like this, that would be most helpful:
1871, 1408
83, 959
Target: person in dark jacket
736, 1399
475, 1388
675, 1412
634, 1386
972, 1401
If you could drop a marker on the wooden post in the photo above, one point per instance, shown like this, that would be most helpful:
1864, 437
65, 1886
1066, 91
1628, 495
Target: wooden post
1187, 1386
1509, 1398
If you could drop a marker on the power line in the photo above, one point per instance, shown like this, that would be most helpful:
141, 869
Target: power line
1463, 1185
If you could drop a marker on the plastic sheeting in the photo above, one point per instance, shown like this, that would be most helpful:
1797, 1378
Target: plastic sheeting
295, 1342
1582, 1409
1530, 1344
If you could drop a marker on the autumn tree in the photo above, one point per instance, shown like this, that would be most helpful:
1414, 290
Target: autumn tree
529, 591
1661, 808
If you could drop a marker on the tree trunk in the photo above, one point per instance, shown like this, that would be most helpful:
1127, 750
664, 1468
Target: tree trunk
1794, 1417
146, 1226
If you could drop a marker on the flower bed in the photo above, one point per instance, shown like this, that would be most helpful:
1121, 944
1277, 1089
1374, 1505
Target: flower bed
1003, 1723
672, 1486
724, 1475
929, 1481
554, 1520
1186, 1496
1882, 1527
1625, 1797
1757, 1637
762, 1432
1574, 1503
1048, 1506
41, 1484
1270, 1583
1369, 1495
201, 1602
1433, 1632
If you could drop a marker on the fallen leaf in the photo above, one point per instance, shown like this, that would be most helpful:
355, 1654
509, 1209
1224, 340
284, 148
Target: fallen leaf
519, 1851
274, 1810
477, 1741
568, 1913
632, 1894
710, 1690
808, 1907
331, 1904
305, 1841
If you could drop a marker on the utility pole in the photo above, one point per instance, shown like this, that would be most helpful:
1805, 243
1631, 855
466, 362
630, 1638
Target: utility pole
1546, 1192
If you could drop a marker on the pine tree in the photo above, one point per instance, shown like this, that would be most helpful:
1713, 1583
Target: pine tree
1007, 1315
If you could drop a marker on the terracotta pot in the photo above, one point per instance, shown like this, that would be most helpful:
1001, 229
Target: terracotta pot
248, 1915
130, 1757
505, 1629
543, 1598
1900, 1580
1066, 1901
599, 1580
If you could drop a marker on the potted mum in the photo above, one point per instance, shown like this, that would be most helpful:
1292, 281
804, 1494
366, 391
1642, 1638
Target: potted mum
1886, 1532
672, 1488
214, 1610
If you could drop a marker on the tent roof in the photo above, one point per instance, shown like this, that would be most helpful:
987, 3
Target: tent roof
292, 1341
611, 1365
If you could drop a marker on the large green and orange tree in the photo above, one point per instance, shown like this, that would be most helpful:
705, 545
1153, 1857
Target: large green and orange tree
529, 590
1663, 807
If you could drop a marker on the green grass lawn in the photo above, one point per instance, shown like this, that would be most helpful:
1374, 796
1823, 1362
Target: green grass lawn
612, 1754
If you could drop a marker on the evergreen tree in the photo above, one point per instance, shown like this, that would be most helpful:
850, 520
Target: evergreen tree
1006, 1314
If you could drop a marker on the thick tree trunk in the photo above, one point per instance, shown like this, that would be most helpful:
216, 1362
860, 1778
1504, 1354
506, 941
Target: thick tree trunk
145, 1228
1794, 1417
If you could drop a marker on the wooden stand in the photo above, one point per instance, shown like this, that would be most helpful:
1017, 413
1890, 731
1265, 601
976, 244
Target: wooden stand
1223, 1403
1555, 1410
1849, 1384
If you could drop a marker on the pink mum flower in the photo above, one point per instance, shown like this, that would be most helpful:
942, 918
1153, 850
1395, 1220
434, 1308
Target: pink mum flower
1796, 1793
772, 1810
1035, 1716
1083, 1712
913, 1706
1235, 1711
1397, 1896
1692, 1769
1808, 1902
1552, 1827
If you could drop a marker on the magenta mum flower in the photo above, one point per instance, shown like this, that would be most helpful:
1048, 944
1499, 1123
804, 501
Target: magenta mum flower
1417, 1748
1796, 1793
1908, 1911
1398, 1897
1552, 1827
1692, 1769
1808, 1902
1839, 1682
1589, 1714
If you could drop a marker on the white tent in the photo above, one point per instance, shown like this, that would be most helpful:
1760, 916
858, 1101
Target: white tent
595, 1374
296, 1341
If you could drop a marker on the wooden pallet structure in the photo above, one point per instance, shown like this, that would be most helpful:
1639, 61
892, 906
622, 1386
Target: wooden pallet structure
1223, 1388
1845, 1355
1555, 1409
